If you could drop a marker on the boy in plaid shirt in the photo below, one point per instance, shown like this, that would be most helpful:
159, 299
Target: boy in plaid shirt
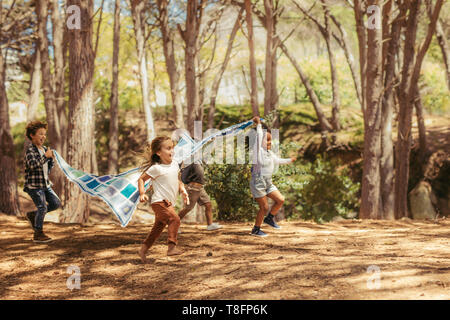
38, 163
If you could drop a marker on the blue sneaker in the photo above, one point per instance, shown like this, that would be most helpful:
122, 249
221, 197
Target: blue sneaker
256, 231
269, 220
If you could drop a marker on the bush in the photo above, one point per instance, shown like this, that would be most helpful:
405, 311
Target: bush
229, 186
326, 192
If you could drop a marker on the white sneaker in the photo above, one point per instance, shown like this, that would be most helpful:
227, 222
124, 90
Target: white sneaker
214, 226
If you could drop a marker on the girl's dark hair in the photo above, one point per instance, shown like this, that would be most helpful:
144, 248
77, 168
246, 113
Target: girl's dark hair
152, 148
33, 126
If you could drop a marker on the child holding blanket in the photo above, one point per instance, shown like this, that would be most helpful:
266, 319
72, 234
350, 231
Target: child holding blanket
38, 164
261, 186
166, 183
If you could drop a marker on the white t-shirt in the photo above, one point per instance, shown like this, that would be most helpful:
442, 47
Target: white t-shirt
165, 181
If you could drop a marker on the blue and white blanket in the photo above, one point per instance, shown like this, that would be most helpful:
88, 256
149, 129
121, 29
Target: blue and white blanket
120, 191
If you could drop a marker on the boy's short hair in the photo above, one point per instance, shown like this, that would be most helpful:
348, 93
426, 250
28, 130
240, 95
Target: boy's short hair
33, 126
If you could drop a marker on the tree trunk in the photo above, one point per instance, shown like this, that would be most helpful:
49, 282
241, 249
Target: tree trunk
138, 13
191, 40
443, 43
51, 83
324, 124
370, 190
113, 155
251, 48
387, 112
217, 79
405, 114
268, 7
361, 34
421, 125
81, 128
336, 101
35, 86
54, 132
9, 198
171, 66
408, 89
59, 65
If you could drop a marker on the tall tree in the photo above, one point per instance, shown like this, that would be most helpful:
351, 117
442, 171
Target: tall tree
35, 85
251, 48
113, 155
412, 64
81, 127
370, 189
138, 14
9, 199
336, 101
171, 64
194, 14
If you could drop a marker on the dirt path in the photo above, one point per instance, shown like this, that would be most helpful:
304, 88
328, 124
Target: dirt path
303, 260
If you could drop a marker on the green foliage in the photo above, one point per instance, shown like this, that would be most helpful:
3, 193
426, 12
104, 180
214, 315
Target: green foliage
322, 193
229, 186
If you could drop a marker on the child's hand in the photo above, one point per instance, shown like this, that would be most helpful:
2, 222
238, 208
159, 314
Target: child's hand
143, 198
185, 198
49, 153
293, 159
256, 120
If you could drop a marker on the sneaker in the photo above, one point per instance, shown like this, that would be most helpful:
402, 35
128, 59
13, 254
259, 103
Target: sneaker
30, 216
256, 231
214, 226
269, 220
40, 237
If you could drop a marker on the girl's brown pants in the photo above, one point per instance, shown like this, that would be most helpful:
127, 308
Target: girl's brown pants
164, 215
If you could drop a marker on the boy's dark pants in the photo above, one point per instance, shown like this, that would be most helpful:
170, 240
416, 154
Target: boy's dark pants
40, 198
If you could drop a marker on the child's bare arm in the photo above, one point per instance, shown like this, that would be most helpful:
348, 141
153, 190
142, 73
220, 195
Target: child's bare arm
141, 185
182, 190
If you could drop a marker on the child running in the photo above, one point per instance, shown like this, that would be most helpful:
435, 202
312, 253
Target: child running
38, 164
193, 175
261, 186
166, 183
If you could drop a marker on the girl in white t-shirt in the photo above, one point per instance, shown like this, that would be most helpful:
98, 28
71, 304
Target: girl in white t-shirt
166, 183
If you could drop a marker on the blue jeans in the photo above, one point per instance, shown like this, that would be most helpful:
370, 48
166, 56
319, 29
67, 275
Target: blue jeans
40, 198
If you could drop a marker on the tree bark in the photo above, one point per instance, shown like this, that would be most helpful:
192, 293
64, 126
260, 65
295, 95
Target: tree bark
138, 11
370, 190
405, 114
217, 79
268, 7
113, 156
410, 77
387, 111
190, 36
171, 66
421, 126
336, 101
251, 48
361, 34
81, 127
54, 130
35, 86
9, 198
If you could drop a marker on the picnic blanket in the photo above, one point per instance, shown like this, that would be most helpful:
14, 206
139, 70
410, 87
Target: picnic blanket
120, 191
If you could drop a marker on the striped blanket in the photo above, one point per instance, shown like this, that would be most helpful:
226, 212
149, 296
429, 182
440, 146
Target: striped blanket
120, 191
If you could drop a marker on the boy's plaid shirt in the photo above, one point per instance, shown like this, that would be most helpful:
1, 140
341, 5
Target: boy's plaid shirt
34, 168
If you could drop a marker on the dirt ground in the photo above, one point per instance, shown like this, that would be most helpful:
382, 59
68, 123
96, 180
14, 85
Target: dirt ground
349, 259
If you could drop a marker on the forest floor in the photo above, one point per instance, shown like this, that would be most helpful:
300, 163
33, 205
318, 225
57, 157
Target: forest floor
349, 259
